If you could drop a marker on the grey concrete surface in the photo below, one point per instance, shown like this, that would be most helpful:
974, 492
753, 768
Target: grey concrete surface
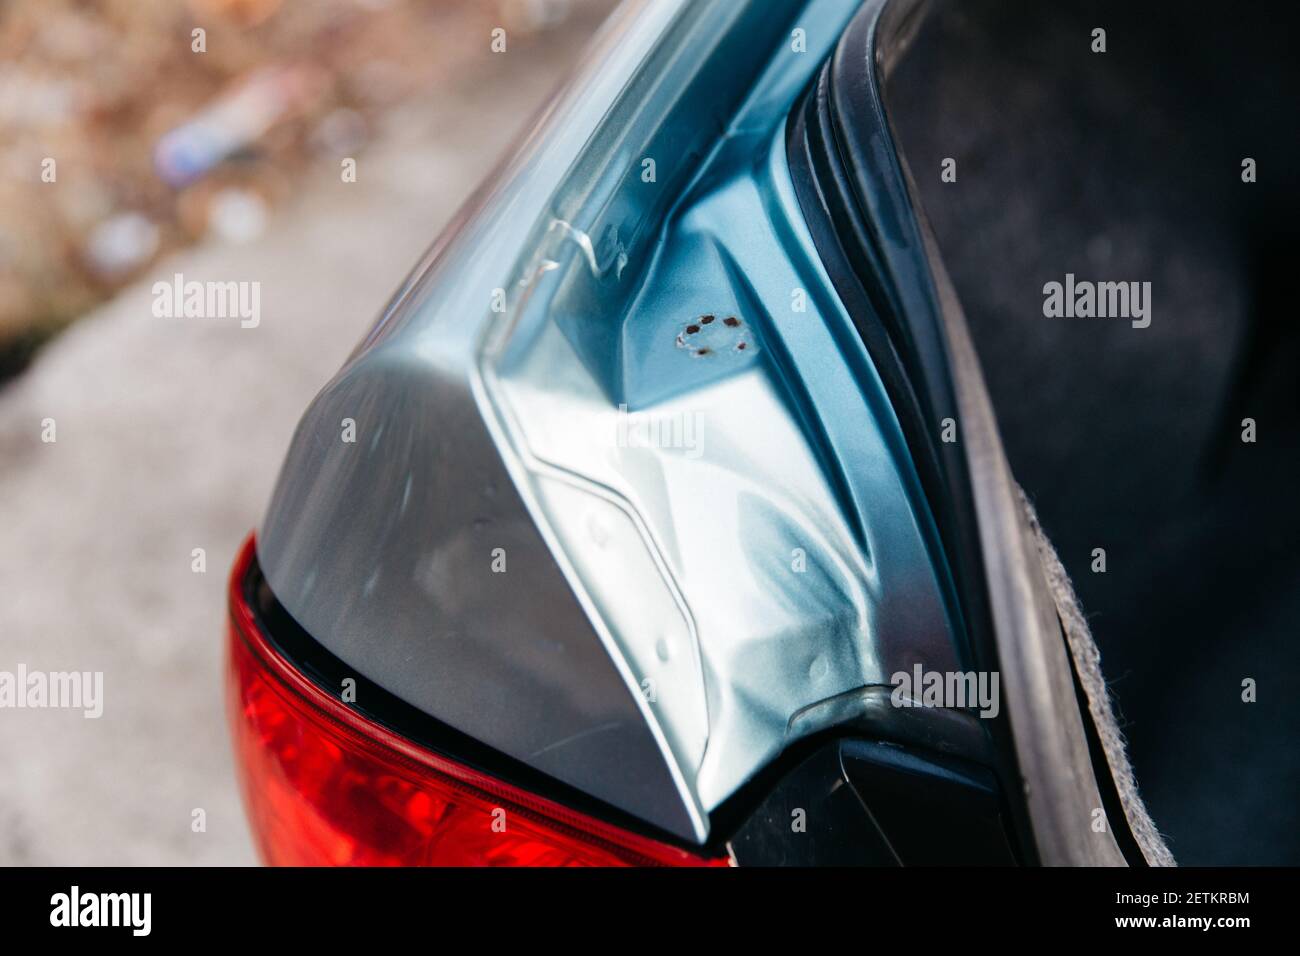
169, 434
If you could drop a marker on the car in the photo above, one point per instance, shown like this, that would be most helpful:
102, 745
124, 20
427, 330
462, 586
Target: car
663, 517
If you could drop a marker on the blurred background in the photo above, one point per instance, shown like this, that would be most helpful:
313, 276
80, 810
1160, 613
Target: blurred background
224, 163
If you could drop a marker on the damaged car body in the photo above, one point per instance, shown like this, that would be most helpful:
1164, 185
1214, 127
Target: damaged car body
658, 471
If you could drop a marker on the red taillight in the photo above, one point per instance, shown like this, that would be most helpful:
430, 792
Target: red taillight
326, 786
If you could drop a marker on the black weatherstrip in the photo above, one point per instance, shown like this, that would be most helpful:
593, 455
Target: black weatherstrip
854, 195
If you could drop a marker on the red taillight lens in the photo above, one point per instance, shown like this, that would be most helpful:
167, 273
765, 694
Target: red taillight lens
324, 785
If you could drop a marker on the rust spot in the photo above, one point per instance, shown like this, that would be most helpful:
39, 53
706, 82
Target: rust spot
740, 347
703, 351
706, 319
731, 322
692, 329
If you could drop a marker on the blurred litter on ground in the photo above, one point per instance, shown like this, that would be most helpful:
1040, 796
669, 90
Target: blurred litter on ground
124, 136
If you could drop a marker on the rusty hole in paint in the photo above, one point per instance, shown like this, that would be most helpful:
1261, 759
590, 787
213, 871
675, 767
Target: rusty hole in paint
692, 329
740, 346
731, 321
706, 319
703, 351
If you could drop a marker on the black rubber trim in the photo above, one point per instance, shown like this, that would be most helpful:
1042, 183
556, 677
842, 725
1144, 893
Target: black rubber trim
876, 804
854, 195
934, 810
